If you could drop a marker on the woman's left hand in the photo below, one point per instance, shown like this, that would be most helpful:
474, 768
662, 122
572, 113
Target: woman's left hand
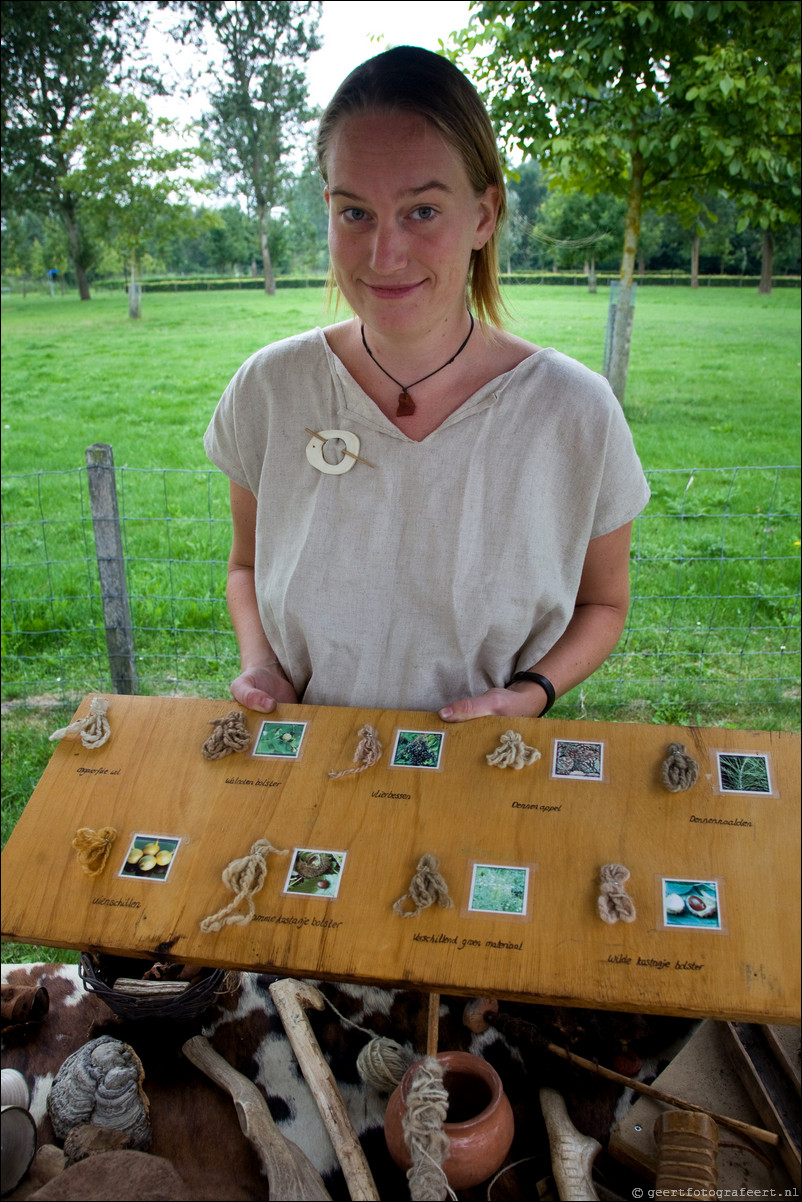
525, 699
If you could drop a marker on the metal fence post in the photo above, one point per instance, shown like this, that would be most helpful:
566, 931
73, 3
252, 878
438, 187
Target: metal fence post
111, 567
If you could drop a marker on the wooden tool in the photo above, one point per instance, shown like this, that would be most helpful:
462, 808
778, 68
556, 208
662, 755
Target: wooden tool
291, 1175
688, 1145
291, 999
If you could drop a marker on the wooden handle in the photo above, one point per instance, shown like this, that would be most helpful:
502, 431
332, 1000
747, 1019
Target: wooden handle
688, 1147
290, 1174
433, 1024
290, 997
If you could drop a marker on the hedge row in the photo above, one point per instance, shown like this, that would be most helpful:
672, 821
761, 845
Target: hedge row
209, 284
215, 284
198, 284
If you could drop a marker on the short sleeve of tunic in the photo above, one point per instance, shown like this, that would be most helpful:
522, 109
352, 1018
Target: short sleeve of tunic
449, 563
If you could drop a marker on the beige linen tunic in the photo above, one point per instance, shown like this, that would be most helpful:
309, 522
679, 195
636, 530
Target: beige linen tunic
449, 564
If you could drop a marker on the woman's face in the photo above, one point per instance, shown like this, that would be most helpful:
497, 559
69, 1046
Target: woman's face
403, 222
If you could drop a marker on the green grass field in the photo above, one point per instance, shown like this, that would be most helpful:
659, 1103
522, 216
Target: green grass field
714, 384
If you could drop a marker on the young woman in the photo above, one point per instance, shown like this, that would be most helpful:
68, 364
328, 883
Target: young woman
457, 538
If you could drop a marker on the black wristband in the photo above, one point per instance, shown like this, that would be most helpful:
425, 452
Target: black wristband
545, 684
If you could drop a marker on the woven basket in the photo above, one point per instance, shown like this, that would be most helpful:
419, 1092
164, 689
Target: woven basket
98, 974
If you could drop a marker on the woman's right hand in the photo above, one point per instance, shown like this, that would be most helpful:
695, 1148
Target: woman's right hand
261, 688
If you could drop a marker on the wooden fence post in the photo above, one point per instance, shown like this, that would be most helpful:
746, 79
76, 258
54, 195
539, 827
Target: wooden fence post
111, 567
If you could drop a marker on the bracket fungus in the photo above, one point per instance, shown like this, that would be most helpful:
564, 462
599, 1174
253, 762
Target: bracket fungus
101, 1083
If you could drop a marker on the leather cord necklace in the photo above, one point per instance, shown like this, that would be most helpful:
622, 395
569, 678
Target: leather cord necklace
406, 405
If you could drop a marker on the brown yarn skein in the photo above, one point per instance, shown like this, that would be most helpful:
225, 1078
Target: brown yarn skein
244, 877
680, 770
230, 735
93, 848
426, 887
368, 753
614, 902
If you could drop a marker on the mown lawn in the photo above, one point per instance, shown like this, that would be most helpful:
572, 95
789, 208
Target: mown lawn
714, 374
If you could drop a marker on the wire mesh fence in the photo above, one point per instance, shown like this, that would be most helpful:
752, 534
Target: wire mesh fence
712, 630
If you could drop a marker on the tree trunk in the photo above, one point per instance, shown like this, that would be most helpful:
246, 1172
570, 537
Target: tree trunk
625, 312
267, 266
695, 261
74, 241
766, 264
592, 274
134, 292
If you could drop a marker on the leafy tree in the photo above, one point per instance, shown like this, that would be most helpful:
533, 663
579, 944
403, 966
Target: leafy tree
580, 229
306, 220
526, 191
227, 247
763, 74
133, 190
54, 56
659, 100
259, 101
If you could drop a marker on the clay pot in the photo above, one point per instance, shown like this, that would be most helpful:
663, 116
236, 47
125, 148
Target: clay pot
479, 1123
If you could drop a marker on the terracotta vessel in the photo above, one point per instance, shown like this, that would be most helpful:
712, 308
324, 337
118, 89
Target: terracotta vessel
479, 1124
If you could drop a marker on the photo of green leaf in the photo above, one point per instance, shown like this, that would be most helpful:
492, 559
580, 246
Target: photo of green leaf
743, 773
280, 739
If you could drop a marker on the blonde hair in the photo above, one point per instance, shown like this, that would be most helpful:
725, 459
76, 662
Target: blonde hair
408, 79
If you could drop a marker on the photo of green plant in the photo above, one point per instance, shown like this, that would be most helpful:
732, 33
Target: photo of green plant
743, 773
315, 872
498, 889
280, 739
149, 857
417, 749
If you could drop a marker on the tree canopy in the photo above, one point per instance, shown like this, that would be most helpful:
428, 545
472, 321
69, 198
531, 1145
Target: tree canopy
132, 188
259, 99
54, 56
658, 102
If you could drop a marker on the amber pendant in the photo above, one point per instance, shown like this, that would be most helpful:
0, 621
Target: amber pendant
406, 405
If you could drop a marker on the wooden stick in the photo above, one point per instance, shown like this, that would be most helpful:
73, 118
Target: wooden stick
766, 1137
349, 453
433, 1024
291, 1175
290, 999
481, 1013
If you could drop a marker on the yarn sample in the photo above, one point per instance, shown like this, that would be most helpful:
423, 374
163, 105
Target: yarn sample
230, 735
426, 887
94, 729
244, 877
512, 752
680, 770
614, 902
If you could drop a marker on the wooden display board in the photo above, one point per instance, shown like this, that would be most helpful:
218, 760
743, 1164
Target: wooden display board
520, 850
